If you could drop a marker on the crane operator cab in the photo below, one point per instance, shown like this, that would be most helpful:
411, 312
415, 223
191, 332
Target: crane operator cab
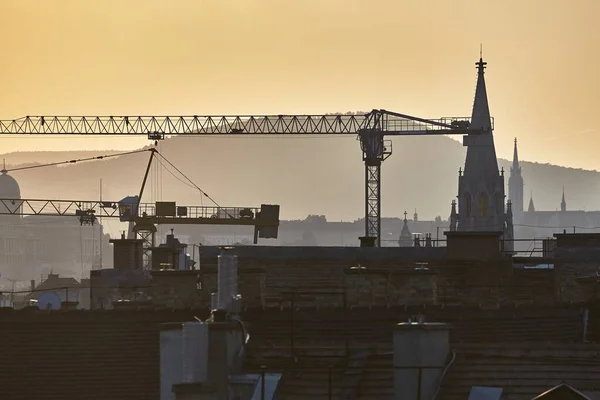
128, 208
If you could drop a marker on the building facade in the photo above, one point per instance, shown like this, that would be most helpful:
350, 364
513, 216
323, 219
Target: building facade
31, 246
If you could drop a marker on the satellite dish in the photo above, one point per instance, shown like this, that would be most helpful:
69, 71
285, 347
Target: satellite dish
49, 300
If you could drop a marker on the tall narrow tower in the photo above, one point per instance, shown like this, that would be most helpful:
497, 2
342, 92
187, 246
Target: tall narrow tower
515, 186
481, 186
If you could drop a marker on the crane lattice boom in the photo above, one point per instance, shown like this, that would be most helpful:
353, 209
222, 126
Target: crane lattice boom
370, 127
89, 211
383, 120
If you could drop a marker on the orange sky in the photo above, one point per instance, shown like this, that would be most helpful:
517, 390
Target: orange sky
309, 56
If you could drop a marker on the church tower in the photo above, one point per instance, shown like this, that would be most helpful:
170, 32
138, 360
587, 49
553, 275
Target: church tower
515, 186
481, 186
563, 203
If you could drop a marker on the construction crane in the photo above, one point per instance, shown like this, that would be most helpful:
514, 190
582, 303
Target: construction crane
143, 217
371, 129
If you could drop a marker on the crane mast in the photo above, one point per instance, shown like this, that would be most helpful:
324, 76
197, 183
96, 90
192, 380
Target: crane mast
370, 128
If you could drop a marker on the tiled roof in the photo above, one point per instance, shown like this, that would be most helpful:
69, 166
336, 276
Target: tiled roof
323, 332
523, 370
373, 328
563, 391
54, 282
89, 355
114, 354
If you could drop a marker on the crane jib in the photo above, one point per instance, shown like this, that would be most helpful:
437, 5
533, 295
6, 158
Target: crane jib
370, 127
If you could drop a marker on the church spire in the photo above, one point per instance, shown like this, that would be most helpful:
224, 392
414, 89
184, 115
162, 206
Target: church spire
480, 118
531, 206
516, 165
481, 199
481, 153
563, 203
405, 239
515, 185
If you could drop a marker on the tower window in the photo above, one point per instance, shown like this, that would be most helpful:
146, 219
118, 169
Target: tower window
467, 204
483, 204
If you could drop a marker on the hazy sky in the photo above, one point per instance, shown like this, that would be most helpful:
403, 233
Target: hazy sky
309, 56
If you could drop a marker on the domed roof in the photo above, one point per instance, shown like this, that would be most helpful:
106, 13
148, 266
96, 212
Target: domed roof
9, 188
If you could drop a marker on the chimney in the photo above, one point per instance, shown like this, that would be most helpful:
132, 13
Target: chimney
420, 354
227, 280
127, 253
171, 358
217, 344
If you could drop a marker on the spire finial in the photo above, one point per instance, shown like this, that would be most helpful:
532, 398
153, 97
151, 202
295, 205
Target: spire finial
481, 64
405, 214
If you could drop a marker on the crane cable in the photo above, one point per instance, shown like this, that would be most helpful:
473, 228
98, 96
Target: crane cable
102, 157
77, 160
191, 182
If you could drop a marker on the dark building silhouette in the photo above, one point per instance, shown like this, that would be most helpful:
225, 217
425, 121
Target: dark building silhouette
406, 239
481, 195
515, 186
535, 223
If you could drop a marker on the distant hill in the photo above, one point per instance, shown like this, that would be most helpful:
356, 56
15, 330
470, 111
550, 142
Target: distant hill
304, 175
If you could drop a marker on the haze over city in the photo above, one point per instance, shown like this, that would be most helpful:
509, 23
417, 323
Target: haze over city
253, 57
431, 231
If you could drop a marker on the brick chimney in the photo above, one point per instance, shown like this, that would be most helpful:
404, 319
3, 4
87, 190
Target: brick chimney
127, 253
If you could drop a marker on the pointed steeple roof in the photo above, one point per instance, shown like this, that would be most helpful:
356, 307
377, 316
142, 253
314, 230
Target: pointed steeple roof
405, 230
480, 117
563, 203
531, 206
515, 164
481, 157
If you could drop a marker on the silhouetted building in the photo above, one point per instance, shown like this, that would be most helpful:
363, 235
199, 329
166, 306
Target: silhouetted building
406, 239
515, 186
536, 223
34, 245
481, 195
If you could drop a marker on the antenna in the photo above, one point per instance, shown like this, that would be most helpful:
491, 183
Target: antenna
101, 229
480, 50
